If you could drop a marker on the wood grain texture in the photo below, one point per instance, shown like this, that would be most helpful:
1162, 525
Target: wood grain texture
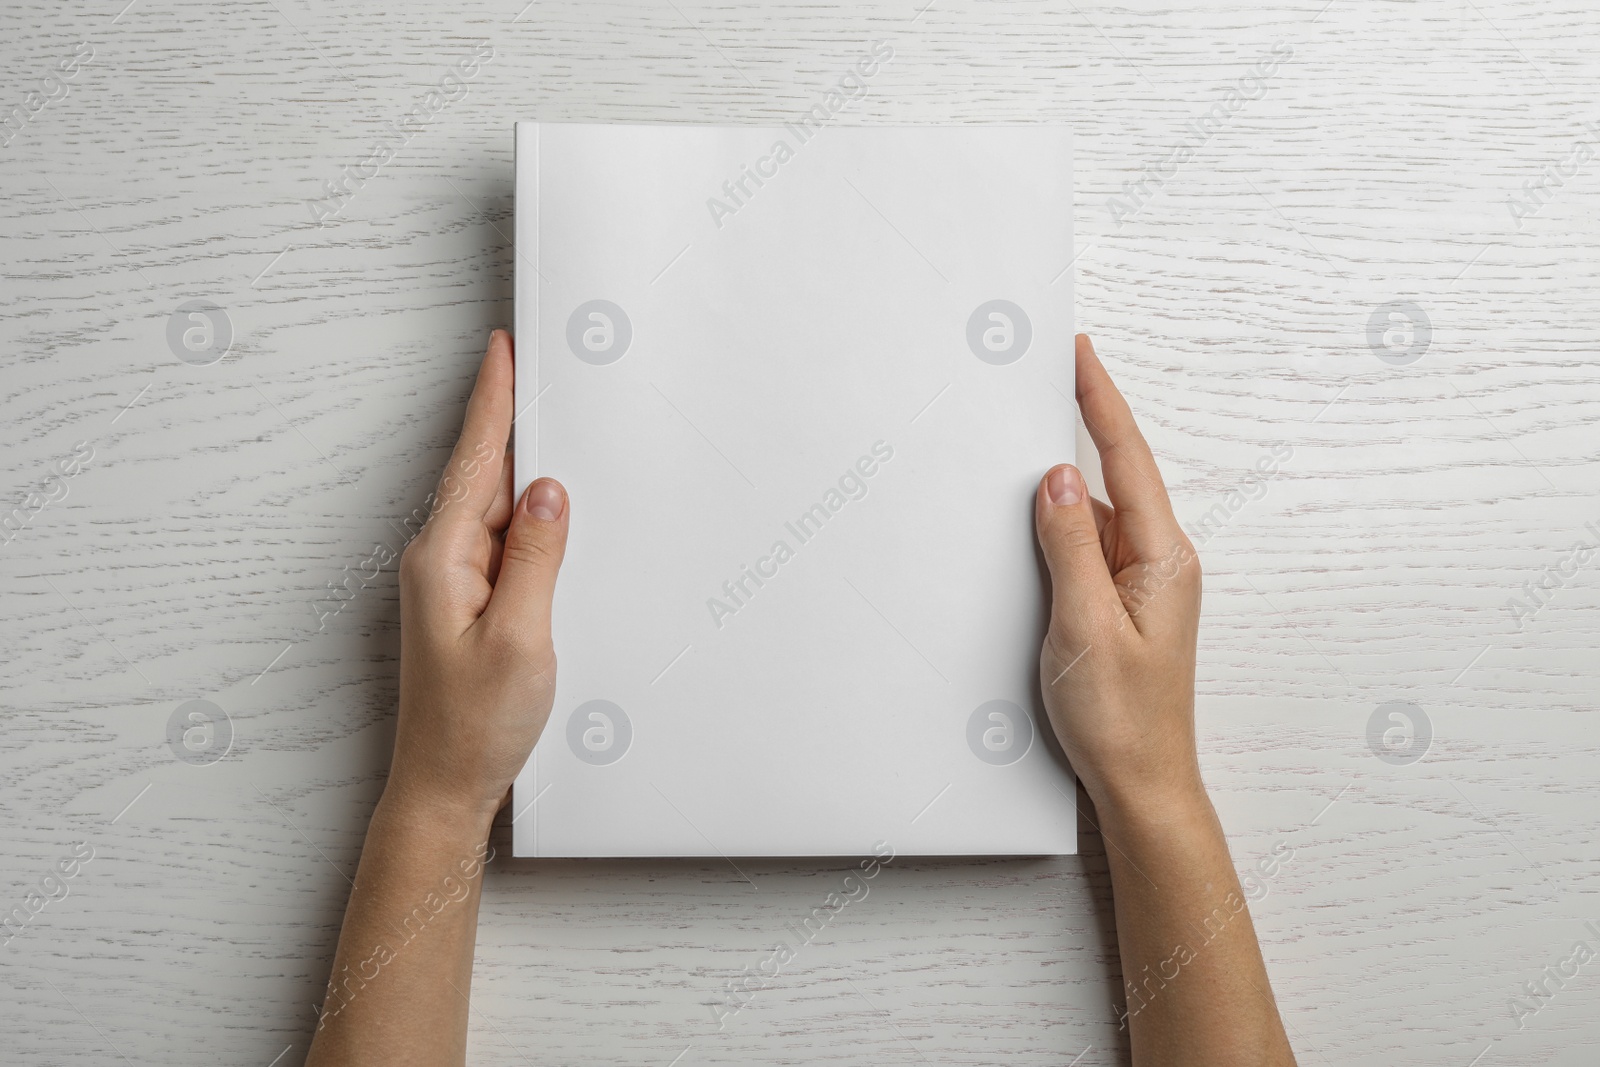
1232, 307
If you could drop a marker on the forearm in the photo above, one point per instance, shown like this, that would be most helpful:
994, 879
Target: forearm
400, 981
1196, 988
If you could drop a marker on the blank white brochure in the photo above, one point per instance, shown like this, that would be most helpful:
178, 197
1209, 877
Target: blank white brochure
801, 382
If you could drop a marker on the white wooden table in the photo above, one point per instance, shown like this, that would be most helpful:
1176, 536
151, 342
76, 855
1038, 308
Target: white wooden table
1376, 165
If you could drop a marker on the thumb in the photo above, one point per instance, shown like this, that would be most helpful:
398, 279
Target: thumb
536, 540
1082, 593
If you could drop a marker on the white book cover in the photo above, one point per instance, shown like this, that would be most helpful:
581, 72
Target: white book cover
801, 382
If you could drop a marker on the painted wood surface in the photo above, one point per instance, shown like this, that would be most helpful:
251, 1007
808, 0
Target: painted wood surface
1434, 156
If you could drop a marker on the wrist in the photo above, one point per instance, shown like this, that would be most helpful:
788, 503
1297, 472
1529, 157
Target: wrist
1179, 800
424, 816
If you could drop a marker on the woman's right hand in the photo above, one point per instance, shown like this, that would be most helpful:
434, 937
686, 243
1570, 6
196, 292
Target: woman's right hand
1117, 668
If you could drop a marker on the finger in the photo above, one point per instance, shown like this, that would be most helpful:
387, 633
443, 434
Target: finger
1102, 515
498, 517
536, 541
1082, 597
468, 486
1133, 481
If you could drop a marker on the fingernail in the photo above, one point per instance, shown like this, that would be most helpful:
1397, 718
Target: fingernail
1065, 486
543, 500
